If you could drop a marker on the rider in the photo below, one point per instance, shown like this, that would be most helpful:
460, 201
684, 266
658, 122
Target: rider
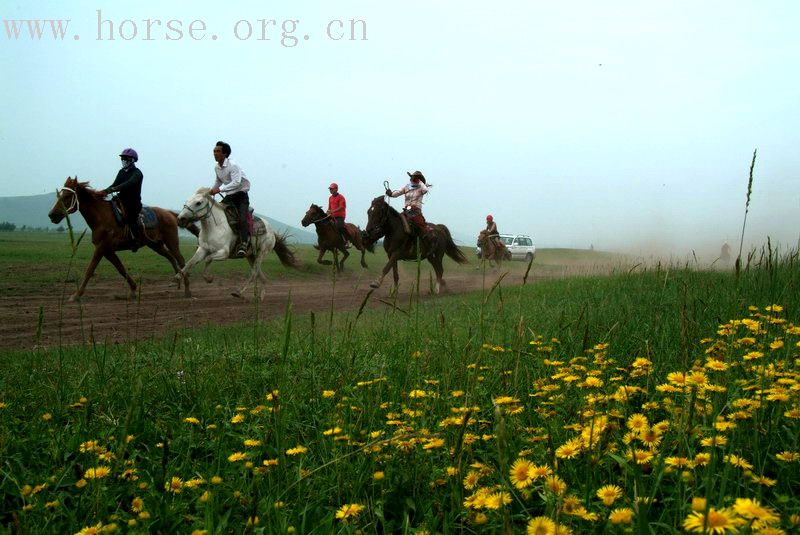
337, 210
233, 183
491, 230
413, 207
128, 187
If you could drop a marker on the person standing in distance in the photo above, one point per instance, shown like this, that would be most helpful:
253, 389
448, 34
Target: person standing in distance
233, 184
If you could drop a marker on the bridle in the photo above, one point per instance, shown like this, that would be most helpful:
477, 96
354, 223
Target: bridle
75, 205
198, 215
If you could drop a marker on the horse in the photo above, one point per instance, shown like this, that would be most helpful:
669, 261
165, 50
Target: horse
109, 237
492, 249
217, 239
384, 221
329, 239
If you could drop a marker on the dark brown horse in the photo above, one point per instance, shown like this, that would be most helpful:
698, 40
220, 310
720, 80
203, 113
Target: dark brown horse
492, 249
109, 237
329, 239
384, 221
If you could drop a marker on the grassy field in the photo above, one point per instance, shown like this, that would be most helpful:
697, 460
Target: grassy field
656, 401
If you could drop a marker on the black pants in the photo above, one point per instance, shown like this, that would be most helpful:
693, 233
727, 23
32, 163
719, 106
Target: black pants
132, 209
241, 201
338, 222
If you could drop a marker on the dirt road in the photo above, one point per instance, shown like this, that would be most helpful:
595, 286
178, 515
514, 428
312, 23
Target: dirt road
42, 317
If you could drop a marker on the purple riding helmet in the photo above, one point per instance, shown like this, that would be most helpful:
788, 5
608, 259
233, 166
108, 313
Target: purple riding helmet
129, 153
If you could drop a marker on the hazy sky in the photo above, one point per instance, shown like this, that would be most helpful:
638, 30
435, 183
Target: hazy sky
620, 124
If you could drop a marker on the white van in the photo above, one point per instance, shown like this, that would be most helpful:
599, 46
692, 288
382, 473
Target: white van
520, 245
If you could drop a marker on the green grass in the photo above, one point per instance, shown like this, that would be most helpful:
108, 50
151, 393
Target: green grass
394, 372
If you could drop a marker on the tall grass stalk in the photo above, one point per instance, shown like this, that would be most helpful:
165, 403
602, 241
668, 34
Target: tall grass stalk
746, 210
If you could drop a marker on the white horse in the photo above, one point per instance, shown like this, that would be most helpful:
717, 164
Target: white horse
217, 239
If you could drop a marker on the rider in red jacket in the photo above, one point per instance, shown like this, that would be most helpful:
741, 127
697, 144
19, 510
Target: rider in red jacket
337, 210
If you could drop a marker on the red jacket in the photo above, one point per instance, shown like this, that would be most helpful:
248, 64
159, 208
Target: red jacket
337, 206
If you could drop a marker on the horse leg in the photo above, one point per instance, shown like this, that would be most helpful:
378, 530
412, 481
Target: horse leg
345, 254
363, 262
162, 249
392, 263
199, 255
438, 268
208, 277
96, 256
322, 252
112, 257
250, 277
172, 244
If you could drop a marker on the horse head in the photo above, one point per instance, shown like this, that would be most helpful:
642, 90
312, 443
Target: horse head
313, 214
196, 207
66, 200
482, 235
377, 216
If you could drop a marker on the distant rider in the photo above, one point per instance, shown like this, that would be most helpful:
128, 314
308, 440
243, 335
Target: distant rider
491, 230
233, 184
337, 210
413, 191
128, 187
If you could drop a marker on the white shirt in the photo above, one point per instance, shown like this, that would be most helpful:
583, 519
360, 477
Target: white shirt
413, 193
230, 178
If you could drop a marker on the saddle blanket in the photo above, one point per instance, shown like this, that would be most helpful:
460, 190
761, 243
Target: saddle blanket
255, 224
147, 217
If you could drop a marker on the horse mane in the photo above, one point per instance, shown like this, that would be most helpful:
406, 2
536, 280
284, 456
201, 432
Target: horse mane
207, 192
85, 187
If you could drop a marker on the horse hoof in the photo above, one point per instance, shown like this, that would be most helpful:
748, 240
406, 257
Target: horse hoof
374, 285
208, 278
236, 293
74, 298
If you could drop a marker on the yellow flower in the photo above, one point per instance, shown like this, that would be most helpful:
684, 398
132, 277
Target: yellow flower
191, 420
328, 393
237, 419
521, 473
377, 476
137, 504
348, 512
623, 515
216, 480
751, 509
174, 485
236, 457
556, 485
638, 422
788, 456
471, 479
718, 521
47, 417
252, 443
609, 494
297, 450
569, 450
541, 525
97, 473
92, 530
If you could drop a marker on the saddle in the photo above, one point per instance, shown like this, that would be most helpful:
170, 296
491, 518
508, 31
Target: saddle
255, 225
147, 218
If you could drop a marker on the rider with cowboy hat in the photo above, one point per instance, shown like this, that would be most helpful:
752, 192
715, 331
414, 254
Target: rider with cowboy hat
128, 187
337, 210
413, 191
491, 230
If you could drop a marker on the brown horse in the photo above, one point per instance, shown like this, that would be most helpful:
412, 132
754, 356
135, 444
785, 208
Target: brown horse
329, 239
109, 237
384, 221
492, 249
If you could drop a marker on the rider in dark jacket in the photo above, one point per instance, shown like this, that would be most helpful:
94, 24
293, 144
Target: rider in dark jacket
128, 187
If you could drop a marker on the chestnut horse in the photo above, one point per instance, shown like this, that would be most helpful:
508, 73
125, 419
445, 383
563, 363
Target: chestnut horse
109, 237
492, 249
329, 239
384, 221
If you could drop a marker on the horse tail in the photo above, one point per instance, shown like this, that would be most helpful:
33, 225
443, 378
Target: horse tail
451, 249
284, 252
191, 226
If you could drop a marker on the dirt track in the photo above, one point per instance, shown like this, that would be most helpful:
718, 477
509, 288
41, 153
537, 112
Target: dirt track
162, 307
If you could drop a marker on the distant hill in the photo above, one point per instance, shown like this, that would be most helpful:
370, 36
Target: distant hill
31, 211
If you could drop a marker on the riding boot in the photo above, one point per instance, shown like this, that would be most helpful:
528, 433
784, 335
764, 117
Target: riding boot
346, 240
138, 239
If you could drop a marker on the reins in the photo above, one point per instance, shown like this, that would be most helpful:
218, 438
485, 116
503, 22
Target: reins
197, 215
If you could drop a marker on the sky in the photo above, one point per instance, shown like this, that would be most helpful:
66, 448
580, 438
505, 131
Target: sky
619, 125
